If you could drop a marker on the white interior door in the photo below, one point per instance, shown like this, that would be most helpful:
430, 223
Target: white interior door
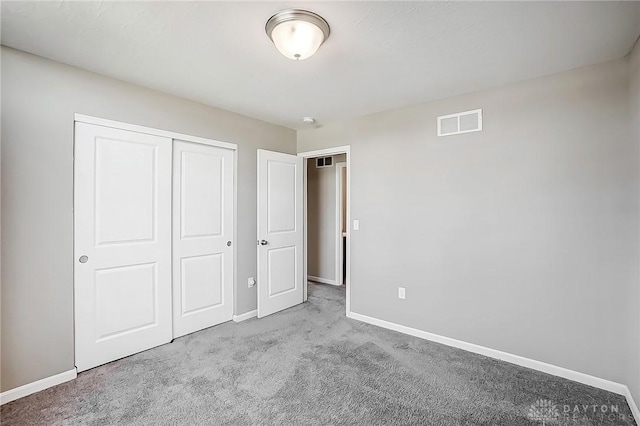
202, 236
122, 243
280, 232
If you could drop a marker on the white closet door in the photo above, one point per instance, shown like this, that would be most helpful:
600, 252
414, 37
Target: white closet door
202, 236
122, 243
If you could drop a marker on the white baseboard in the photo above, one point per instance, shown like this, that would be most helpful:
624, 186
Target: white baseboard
505, 356
245, 316
322, 280
37, 386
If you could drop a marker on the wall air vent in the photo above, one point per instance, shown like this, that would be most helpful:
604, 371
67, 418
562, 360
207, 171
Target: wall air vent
461, 122
324, 162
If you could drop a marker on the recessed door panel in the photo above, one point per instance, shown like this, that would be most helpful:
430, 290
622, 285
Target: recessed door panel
282, 270
125, 177
280, 234
203, 236
281, 197
125, 299
122, 243
202, 194
202, 282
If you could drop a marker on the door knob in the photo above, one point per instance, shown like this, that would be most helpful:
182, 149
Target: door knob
263, 242
228, 243
83, 259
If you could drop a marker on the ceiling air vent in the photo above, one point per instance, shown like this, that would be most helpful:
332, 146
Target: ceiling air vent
461, 122
324, 162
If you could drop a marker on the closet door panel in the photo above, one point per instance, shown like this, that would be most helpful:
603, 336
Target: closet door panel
202, 236
122, 243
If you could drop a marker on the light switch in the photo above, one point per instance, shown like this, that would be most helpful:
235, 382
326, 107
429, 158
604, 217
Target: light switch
356, 225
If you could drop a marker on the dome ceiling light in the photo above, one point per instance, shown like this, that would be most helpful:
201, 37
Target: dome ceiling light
297, 33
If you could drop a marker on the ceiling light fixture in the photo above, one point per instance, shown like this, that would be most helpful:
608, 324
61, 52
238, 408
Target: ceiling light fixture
297, 33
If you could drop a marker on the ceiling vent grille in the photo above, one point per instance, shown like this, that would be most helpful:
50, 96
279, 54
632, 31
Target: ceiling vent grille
322, 162
461, 122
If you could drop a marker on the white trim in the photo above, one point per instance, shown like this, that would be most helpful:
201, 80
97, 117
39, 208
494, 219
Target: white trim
326, 152
234, 299
151, 131
322, 280
347, 227
245, 316
305, 182
339, 224
37, 386
632, 405
345, 149
505, 356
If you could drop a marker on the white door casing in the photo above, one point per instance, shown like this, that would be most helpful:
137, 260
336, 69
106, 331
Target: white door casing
345, 149
122, 215
280, 232
340, 220
202, 236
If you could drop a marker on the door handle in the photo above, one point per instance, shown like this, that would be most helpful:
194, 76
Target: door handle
83, 259
263, 242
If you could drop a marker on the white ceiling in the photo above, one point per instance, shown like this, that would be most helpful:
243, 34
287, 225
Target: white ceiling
380, 55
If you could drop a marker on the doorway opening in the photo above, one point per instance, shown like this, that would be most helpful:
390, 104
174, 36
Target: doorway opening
326, 219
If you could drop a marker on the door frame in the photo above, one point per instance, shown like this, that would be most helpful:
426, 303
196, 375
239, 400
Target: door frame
174, 136
340, 223
345, 149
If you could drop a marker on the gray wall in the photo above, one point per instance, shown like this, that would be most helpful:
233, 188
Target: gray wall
633, 299
522, 237
39, 99
321, 220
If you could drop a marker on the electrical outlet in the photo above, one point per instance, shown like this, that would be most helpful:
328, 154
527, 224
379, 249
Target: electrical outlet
401, 292
251, 281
